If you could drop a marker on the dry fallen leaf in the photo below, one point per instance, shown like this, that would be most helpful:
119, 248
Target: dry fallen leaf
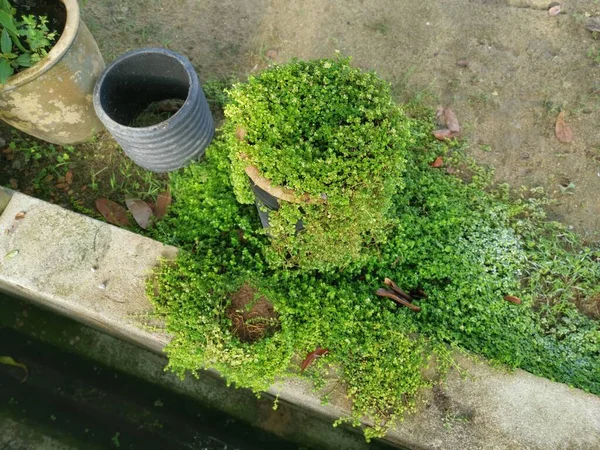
69, 177
240, 133
513, 299
462, 63
563, 131
451, 120
439, 162
20, 215
112, 212
554, 9
444, 134
163, 201
7, 360
439, 116
13, 183
140, 210
312, 356
61, 186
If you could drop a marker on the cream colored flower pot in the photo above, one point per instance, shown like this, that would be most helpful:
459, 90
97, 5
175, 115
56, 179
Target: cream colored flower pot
53, 99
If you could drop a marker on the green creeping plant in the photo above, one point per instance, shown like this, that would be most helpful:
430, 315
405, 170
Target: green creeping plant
22, 43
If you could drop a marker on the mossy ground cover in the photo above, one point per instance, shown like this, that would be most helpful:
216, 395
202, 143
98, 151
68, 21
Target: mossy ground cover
465, 243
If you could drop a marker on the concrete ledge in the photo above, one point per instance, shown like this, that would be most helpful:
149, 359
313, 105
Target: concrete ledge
95, 273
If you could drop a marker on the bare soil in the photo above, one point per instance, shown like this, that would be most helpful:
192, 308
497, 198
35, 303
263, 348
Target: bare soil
504, 66
252, 316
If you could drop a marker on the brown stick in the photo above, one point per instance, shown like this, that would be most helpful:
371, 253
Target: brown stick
397, 290
389, 294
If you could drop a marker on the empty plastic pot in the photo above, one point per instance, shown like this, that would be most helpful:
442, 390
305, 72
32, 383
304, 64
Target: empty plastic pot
146, 77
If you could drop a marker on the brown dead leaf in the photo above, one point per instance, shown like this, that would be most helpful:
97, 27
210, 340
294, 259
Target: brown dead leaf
439, 162
444, 134
451, 120
462, 63
312, 357
563, 131
61, 186
439, 116
140, 210
20, 215
163, 201
69, 177
240, 133
554, 9
513, 299
112, 212
13, 183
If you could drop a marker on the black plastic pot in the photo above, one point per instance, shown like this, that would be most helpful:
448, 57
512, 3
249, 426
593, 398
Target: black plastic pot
265, 203
145, 76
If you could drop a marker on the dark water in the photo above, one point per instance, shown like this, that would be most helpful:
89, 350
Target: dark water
87, 406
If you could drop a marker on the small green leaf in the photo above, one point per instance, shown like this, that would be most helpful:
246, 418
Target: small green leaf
5, 42
24, 60
5, 70
7, 22
12, 254
8, 361
5, 6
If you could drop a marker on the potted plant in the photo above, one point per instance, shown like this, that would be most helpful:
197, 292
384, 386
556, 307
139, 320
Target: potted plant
322, 146
49, 63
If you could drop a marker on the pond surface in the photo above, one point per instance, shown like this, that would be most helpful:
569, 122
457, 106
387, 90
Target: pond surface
70, 402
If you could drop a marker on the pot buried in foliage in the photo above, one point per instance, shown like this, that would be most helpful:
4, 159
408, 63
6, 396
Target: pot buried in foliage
140, 79
53, 99
267, 196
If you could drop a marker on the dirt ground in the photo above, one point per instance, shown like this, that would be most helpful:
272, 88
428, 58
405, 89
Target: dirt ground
524, 67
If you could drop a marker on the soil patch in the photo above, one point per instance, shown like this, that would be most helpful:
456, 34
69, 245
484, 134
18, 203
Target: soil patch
252, 317
157, 112
505, 67
590, 307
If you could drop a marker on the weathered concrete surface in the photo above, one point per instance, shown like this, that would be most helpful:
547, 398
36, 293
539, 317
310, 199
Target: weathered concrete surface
95, 273
86, 269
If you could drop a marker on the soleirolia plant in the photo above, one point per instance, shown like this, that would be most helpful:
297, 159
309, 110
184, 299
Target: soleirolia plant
22, 43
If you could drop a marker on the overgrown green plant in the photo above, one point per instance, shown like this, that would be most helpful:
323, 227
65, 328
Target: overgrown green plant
464, 244
22, 43
327, 131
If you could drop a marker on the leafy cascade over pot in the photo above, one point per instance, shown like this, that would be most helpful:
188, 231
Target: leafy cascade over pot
330, 141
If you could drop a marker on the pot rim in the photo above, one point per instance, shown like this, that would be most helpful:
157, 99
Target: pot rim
67, 37
279, 192
194, 86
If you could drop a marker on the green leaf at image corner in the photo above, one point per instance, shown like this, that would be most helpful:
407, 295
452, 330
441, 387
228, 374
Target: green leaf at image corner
5, 42
7, 22
5, 6
24, 60
5, 71
8, 361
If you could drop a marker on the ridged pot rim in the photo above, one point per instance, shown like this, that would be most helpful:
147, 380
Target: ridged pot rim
56, 53
114, 125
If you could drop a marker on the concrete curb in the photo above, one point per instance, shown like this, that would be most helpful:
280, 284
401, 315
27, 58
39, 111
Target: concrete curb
95, 273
